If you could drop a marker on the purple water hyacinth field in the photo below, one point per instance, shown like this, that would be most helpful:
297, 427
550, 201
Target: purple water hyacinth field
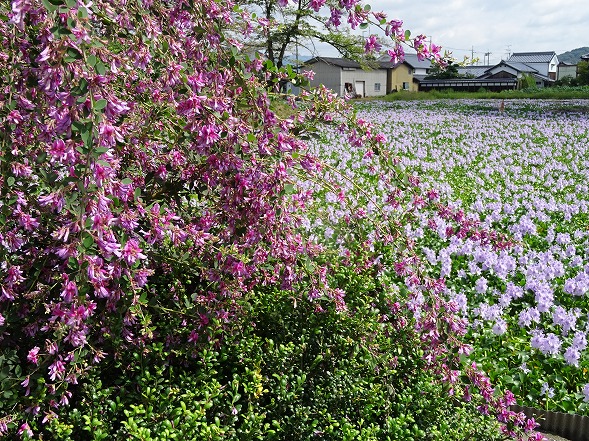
523, 171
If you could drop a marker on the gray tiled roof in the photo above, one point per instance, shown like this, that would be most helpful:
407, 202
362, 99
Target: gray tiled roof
473, 70
531, 57
410, 59
384, 63
522, 67
416, 63
341, 62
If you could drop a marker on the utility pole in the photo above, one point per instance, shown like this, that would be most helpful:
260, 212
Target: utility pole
471, 53
508, 51
487, 54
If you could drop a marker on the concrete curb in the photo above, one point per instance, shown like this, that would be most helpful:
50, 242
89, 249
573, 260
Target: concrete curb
567, 427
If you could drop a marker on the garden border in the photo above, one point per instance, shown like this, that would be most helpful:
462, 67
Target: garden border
573, 427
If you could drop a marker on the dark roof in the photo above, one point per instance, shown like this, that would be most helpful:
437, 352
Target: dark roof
341, 62
532, 57
390, 64
345, 63
467, 81
543, 78
383, 62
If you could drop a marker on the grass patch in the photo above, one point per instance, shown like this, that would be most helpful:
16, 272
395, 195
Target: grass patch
558, 93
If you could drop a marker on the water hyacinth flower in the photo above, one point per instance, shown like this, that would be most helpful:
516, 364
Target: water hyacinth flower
537, 282
500, 327
565, 319
547, 391
548, 344
481, 285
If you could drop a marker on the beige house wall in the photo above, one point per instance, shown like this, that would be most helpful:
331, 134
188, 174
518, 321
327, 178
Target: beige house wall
403, 73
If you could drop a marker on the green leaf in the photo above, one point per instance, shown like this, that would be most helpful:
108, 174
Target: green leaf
407, 34
61, 31
86, 134
367, 8
363, 25
91, 60
88, 242
41, 158
127, 181
74, 53
100, 104
82, 12
50, 6
81, 89
100, 68
78, 126
10, 181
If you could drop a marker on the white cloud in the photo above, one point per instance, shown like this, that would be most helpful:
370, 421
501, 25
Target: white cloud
495, 26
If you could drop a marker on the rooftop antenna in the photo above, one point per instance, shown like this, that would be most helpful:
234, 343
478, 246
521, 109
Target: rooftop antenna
508, 49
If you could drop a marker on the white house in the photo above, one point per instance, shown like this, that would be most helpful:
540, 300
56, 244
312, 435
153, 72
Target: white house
421, 68
347, 77
545, 63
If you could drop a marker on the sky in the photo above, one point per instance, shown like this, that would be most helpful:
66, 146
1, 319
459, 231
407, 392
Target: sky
499, 27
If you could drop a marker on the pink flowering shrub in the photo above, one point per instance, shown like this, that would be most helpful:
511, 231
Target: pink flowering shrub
146, 199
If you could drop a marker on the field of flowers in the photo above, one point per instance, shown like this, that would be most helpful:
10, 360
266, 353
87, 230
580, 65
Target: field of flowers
523, 171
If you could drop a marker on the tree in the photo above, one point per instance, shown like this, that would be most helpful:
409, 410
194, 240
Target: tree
445, 72
583, 73
300, 24
527, 81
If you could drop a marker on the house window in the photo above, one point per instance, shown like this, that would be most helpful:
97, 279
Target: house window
405, 85
377, 87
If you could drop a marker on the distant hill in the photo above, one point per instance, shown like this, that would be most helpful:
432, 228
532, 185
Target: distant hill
574, 56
